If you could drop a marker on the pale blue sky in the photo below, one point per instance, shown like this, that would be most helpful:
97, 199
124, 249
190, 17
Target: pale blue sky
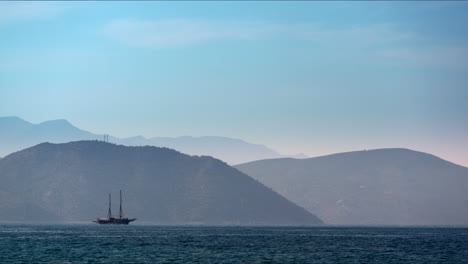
311, 77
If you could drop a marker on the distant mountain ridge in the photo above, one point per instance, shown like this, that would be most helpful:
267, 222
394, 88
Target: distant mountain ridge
17, 134
374, 187
70, 182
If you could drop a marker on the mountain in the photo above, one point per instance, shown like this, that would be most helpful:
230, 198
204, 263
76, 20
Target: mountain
17, 134
376, 187
70, 182
233, 151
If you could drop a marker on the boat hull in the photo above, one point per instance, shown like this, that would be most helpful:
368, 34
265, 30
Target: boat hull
114, 221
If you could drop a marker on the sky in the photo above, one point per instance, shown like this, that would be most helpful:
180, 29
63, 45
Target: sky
300, 77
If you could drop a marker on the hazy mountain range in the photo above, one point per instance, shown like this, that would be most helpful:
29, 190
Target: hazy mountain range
70, 182
377, 187
17, 134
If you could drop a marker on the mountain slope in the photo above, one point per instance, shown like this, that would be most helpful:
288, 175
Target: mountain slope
233, 151
385, 186
71, 181
17, 134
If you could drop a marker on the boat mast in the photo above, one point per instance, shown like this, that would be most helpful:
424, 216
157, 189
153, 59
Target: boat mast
109, 214
120, 213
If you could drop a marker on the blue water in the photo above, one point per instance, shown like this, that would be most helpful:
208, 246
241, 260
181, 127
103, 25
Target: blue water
169, 244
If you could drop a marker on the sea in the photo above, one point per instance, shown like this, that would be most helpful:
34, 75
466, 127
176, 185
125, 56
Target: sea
91, 243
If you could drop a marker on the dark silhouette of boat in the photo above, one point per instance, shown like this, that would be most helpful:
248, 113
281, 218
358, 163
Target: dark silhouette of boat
111, 220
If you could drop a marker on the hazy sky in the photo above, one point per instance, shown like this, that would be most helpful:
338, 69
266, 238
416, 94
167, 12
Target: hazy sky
311, 77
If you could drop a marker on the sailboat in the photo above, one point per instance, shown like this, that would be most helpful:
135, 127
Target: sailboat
111, 220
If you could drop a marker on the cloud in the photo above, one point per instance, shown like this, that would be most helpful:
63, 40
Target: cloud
20, 11
180, 32
376, 44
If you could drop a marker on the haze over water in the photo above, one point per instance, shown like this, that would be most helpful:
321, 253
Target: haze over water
87, 243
